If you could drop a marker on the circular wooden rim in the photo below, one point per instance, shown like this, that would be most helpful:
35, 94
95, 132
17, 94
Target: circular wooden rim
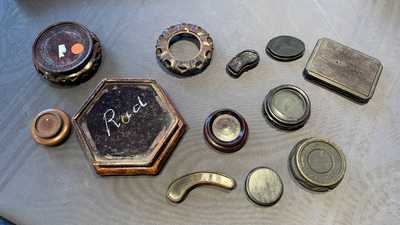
38, 116
62, 134
226, 146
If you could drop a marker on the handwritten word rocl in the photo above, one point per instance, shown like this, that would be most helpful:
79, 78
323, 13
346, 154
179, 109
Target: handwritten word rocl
109, 115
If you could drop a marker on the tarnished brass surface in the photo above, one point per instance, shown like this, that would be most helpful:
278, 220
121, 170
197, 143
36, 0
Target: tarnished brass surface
287, 107
179, 188
343, 69
264, 186
317, 164
226, 127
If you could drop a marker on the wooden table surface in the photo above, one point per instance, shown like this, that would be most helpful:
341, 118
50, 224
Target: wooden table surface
56, 186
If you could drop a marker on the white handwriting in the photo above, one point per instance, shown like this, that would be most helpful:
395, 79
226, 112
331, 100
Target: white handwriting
109, 115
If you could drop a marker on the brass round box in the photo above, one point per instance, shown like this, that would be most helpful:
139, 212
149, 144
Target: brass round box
317, 164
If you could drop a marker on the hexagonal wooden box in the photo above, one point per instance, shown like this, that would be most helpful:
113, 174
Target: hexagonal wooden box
128, 127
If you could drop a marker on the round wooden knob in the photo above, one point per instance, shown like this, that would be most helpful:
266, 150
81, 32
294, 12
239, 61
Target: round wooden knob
51, 127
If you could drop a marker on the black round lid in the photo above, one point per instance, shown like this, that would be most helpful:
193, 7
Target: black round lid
62, 47
285, 48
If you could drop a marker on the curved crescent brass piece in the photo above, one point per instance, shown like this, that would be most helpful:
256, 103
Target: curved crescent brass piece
180, 187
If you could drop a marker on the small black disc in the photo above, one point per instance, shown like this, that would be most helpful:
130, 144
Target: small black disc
285, 48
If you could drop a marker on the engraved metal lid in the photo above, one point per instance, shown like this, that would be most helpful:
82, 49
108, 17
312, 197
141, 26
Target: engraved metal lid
128, 127
264, 186
317, 164
51, 127
343, 69
285, 48
66, 53
226, 130
287, 107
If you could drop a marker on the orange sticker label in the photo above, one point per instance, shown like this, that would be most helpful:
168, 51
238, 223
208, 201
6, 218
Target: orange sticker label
77, 48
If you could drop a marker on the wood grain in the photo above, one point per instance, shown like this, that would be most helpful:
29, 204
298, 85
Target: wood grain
41, 185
